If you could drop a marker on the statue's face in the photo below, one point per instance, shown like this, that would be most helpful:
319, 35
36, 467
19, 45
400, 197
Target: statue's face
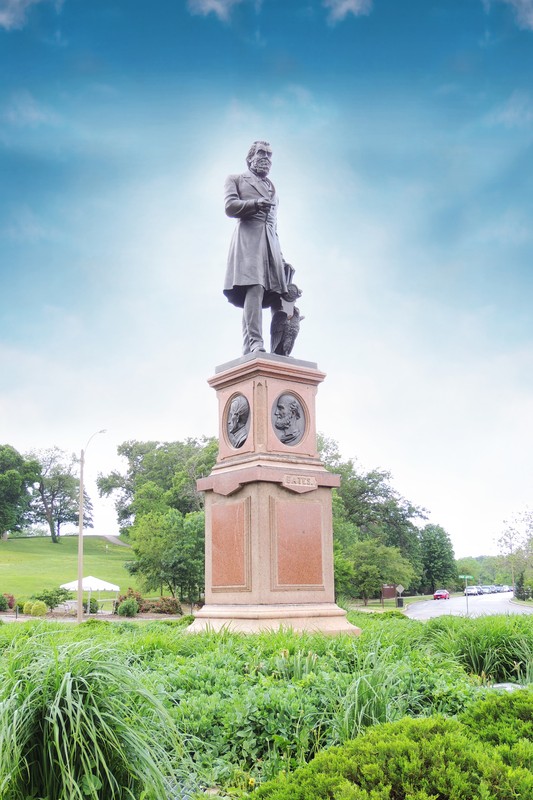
235, 416
261, 160
283, 414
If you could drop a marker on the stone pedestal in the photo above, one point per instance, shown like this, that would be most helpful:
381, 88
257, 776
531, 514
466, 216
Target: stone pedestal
269, 550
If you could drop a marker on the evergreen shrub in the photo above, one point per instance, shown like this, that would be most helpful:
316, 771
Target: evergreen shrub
3, 603
28, 605
39, 609
412, 759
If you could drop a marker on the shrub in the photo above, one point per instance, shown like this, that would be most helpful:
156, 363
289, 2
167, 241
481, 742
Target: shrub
128, 608
502, 718
28, 605
3, 603
77, 722
161, 605
38, 609
53, 597
131, 594
407, 760
10, 600
93, 606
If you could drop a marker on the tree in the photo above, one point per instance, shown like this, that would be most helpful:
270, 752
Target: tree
515, 543
173, 467
16, 476
375, 564
55, 496
438, 558
169, 552
368, 507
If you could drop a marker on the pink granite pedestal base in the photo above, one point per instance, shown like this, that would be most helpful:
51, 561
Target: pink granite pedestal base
269, 548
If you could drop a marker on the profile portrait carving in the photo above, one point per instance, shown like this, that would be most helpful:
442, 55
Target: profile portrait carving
238, 421
288, 419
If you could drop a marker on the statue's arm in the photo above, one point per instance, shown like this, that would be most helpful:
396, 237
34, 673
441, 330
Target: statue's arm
234, 205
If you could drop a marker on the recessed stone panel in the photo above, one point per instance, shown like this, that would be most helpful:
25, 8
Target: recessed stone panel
231, 546
297, 545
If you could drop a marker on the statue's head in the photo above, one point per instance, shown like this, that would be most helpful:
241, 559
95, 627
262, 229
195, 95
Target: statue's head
238, 413
259, 158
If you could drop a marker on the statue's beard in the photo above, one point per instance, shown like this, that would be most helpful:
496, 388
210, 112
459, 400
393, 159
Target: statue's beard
260, 166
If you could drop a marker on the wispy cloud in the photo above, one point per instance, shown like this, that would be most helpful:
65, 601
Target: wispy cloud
523, 10
516, 112
339, 9
14, 13
23, 110
222, 8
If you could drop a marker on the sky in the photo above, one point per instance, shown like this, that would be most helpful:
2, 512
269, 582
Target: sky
402, 136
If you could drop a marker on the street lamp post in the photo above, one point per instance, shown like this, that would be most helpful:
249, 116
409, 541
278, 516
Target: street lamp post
80, 530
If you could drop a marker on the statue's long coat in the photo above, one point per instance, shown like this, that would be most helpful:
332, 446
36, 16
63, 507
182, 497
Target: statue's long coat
255, 254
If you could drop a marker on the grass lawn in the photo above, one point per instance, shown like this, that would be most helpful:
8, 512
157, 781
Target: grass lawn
30, 565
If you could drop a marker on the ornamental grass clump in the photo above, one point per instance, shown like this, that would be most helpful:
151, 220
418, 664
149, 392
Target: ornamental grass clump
77, 723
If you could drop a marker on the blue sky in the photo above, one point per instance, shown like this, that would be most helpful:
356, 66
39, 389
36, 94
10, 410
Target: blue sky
402, 136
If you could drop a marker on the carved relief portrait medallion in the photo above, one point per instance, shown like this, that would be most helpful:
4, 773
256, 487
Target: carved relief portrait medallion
288, 419
238, 421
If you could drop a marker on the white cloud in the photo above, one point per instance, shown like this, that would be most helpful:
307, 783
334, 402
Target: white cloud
13, 13
221, 8
516, 112
339, 9
23, 110
523, 10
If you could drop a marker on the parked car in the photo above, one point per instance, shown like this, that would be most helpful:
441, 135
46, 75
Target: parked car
441, 594
471, 590
486, 589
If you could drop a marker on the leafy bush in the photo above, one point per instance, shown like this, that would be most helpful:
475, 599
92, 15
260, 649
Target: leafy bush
77, 722
28, 605
408, 760
128, 608
161, 605
131, 594
93, 606
53, 597
38, 609
502, 717
3, 603
10, 600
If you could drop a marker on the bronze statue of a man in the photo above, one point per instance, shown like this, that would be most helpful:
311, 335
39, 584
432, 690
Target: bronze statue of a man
257, 274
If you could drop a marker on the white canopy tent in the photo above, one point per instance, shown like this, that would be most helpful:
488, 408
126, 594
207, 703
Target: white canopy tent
91, 584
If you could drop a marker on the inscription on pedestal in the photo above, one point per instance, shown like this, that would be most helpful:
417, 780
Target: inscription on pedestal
300, 483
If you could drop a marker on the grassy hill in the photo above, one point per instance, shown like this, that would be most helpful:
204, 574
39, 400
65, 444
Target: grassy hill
30, 565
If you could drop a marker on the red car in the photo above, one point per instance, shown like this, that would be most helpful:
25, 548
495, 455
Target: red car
441, 594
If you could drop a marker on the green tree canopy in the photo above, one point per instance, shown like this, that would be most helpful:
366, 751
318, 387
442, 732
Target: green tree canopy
172, 467
375, 564
55, 495
438, 558
17, 474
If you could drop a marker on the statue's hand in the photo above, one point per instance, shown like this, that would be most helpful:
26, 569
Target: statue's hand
263, 205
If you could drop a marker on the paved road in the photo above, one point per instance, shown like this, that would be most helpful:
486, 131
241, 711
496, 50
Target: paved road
478, 606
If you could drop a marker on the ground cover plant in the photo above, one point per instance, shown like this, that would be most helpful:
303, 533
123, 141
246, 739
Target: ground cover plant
247, 709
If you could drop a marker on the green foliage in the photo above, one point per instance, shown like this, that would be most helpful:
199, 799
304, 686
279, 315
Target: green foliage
502, 718
10, 600
38, 609
93, 606
53, 597
437, 557
169, 551
3, 603
168, 472
28, 605
494, 648
374, 564
409, 760
55, 497
128, 608
16, 476
77, 722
